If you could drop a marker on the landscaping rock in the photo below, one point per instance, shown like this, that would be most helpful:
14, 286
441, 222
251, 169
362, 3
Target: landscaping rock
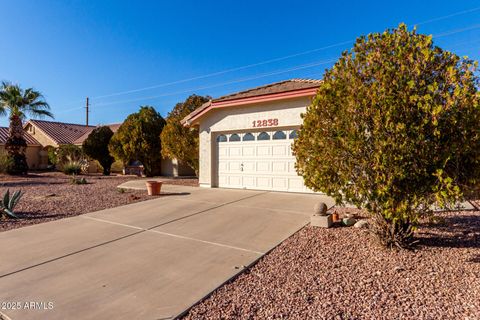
320, 209
348, 221
321, 221
361, 224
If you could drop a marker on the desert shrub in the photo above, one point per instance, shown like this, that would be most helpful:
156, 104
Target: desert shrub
6, 162
9, 202
394, 129
69, 152
72, 167
96, 147
75, 180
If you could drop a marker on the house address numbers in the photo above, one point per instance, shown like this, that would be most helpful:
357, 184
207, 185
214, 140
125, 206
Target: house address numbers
265, 123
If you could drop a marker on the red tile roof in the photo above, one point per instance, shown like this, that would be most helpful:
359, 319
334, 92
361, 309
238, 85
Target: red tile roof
277, 87
60, 132
4, 136
114, 127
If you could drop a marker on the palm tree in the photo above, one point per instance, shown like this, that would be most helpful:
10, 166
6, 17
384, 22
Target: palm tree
19, 103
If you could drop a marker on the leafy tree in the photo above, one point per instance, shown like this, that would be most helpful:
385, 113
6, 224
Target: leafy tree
394, 129
179, 142
138, 138
96, 147
19, 103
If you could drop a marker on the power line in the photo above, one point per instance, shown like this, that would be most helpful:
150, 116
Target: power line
447, 16
271, 60
305, 66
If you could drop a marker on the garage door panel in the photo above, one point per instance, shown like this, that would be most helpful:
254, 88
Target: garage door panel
264, 151
235, 151
248, 151
264, 182
249, 181
263, 166
235, 180
249, 166
279, 183
234, 166
223, 152
279, 150
279, 167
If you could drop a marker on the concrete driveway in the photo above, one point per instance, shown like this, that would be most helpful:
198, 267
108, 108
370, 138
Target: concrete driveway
148, 260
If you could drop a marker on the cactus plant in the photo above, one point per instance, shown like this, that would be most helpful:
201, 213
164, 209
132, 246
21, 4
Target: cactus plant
8, 203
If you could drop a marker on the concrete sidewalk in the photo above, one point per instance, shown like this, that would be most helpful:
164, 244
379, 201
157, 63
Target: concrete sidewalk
148, 260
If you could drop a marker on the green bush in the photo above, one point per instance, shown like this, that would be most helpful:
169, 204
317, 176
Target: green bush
96, 147
394, 129
72, 168
6, 162
138, 139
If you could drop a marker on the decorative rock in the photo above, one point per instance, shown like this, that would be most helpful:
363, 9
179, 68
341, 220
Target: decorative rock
361, 224
320, 209
321, 221
348, 221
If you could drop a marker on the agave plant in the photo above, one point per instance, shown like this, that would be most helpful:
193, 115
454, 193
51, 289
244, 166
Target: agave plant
8, 203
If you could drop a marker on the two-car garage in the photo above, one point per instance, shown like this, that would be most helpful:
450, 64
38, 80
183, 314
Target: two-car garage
246, 137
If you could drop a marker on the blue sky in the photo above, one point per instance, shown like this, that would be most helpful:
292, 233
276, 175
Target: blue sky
73, 49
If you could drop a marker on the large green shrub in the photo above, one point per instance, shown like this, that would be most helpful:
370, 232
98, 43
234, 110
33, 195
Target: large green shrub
96, 147
394, 128
179, 142
6, 162
138, 138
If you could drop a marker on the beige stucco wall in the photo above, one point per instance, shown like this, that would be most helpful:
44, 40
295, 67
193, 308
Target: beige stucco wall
175, 169
240, 119
40, 136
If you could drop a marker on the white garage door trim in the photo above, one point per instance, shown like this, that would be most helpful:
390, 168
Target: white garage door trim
258, 160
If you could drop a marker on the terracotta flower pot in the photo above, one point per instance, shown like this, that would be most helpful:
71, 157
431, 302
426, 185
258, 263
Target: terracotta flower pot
153, 187
335, 217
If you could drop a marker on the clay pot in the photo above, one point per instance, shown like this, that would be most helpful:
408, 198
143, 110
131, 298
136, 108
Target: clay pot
153, 187
335, 217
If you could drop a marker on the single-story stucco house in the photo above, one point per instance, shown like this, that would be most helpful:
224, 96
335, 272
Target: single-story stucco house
41, 135
246, 137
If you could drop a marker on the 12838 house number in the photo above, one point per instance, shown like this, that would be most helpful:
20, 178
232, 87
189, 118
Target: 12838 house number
265, 123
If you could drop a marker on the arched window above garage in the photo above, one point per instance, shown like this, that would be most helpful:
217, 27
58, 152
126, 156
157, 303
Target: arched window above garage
293, 134
234, 137
222, 138
248, 137
279, 135
263, 136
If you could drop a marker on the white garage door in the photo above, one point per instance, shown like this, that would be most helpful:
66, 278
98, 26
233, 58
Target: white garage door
258, 160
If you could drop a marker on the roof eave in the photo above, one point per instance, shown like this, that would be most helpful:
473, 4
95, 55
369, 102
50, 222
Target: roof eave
192, 120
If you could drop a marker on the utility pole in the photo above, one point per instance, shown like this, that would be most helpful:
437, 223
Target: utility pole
87, 111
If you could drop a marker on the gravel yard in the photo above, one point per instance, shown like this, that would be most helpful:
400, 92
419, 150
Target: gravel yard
51, 196
340, 273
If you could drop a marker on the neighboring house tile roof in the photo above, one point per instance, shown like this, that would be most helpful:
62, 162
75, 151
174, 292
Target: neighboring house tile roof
60, 132
4, 136
277, 87
114, 127
265, 90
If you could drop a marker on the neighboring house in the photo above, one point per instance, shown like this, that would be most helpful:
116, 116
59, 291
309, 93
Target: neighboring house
33, 147
52, 134
246, 137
